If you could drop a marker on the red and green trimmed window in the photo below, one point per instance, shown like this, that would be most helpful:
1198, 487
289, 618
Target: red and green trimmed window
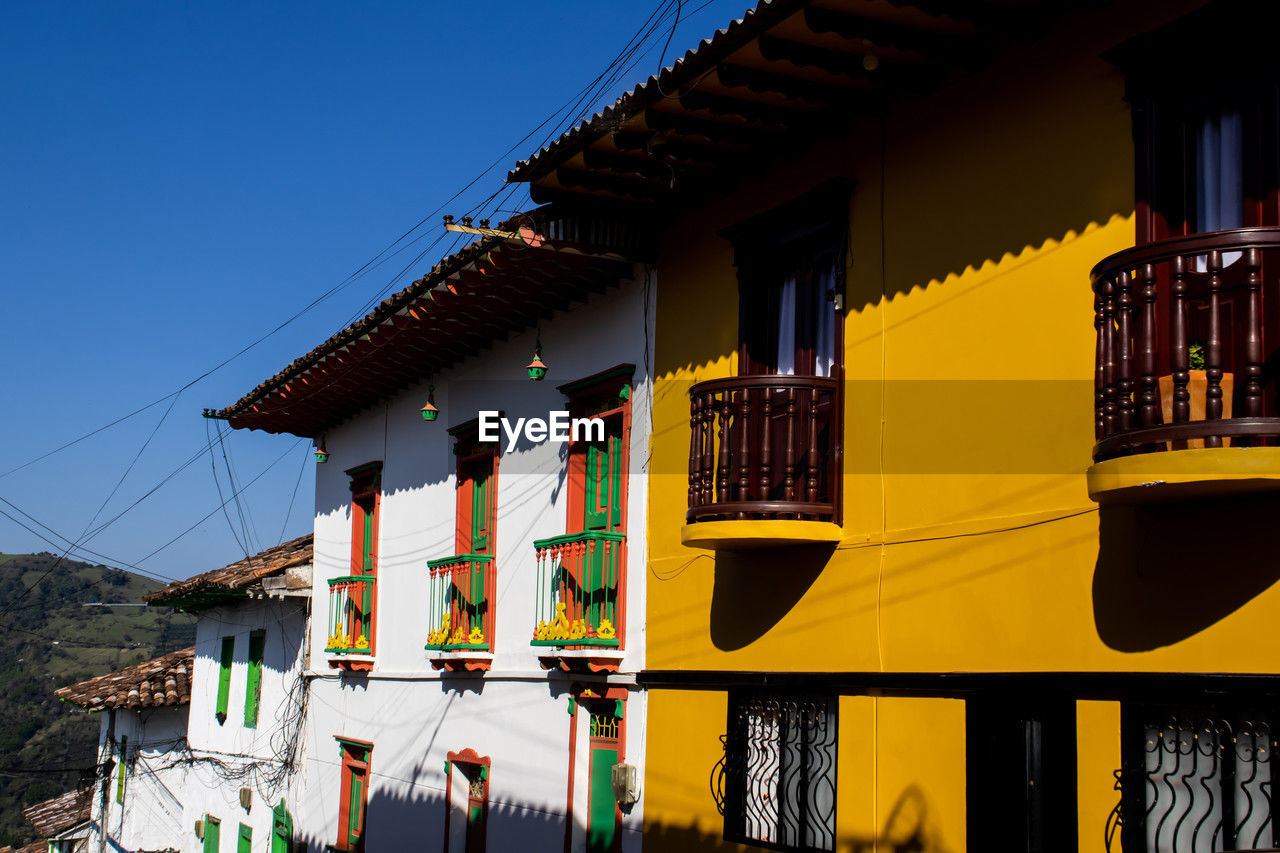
353, 793
225, 659
352, 600
581, 574
466, 801
253, 682
460, 595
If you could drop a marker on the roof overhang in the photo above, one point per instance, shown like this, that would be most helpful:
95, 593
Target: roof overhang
494, 288
786, 72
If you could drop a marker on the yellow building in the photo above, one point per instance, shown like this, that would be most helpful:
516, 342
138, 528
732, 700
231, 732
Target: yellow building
978, 550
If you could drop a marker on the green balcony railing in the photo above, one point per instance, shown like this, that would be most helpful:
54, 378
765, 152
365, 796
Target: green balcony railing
460, 595
579, 589
350, 615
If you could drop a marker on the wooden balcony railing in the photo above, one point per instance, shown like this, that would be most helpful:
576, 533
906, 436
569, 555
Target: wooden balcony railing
763, 447
580, 589
1162, 308
350, 615
459, 592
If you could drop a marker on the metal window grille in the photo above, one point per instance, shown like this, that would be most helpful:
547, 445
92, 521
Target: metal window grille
603, 725
1205, 784
780, 771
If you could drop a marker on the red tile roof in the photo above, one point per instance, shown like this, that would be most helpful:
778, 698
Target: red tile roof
59, 814
160, 682
239, 575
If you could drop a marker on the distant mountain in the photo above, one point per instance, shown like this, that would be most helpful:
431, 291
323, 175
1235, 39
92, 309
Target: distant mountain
48, 639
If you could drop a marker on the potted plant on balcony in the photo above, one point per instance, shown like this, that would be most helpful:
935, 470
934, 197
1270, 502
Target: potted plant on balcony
1197, 385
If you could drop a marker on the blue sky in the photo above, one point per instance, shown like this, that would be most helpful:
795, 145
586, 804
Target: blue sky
178, 179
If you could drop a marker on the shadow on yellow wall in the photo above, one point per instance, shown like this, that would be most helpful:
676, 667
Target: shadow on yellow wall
751, 594
1168, 571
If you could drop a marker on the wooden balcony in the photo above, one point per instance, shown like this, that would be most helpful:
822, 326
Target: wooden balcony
763, 461
1188, 350
460, 612
581, 600
351, 627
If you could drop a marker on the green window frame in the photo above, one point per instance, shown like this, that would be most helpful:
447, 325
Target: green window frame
224, 678
244, 842
212, 834
123, 769
281, 829
253, 681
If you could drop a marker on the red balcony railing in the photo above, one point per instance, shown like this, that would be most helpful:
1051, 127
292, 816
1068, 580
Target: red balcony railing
763, 447
580, 589
350, 615
1188, 343
460, 610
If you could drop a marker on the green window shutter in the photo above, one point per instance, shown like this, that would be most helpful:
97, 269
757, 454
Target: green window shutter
481, 504
281, 829
368, 539
355, 809
212, 834
245, 844
253, 685
122, 768
224, 677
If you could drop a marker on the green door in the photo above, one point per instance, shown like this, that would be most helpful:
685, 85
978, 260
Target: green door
245, 844
281, 829
603, 504
601, 806
355, 808
212, 834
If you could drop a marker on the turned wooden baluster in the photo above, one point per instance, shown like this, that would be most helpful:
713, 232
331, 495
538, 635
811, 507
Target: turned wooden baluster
1213, 349
1179, 360
1148, 384
1099, 398
722, 466
1107, 356
766, 441
1124, 341
695, 452
1252, 390
744, 446
708, 448
811, 459
789, 457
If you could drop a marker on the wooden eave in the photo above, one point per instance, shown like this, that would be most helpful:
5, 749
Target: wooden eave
488, 292
786, 72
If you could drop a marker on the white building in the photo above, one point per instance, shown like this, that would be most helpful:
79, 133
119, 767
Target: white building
199, 747
473, 685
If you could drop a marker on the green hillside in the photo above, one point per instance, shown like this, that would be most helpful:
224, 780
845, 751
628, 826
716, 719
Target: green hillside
50, 639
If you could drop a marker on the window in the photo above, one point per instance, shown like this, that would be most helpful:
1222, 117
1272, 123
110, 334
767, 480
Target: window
780, 771
281, 829
122, 768
224, 678
352, 598
461, 586
354, 793
253, 682
212, 834
1197, 779
466, 801
244, 843
581, 574
791, 264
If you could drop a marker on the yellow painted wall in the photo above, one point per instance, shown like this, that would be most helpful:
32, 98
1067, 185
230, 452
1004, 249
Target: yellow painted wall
970, 543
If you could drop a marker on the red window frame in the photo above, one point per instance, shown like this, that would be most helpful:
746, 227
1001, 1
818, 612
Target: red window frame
366, 503
475, 841
356, 758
